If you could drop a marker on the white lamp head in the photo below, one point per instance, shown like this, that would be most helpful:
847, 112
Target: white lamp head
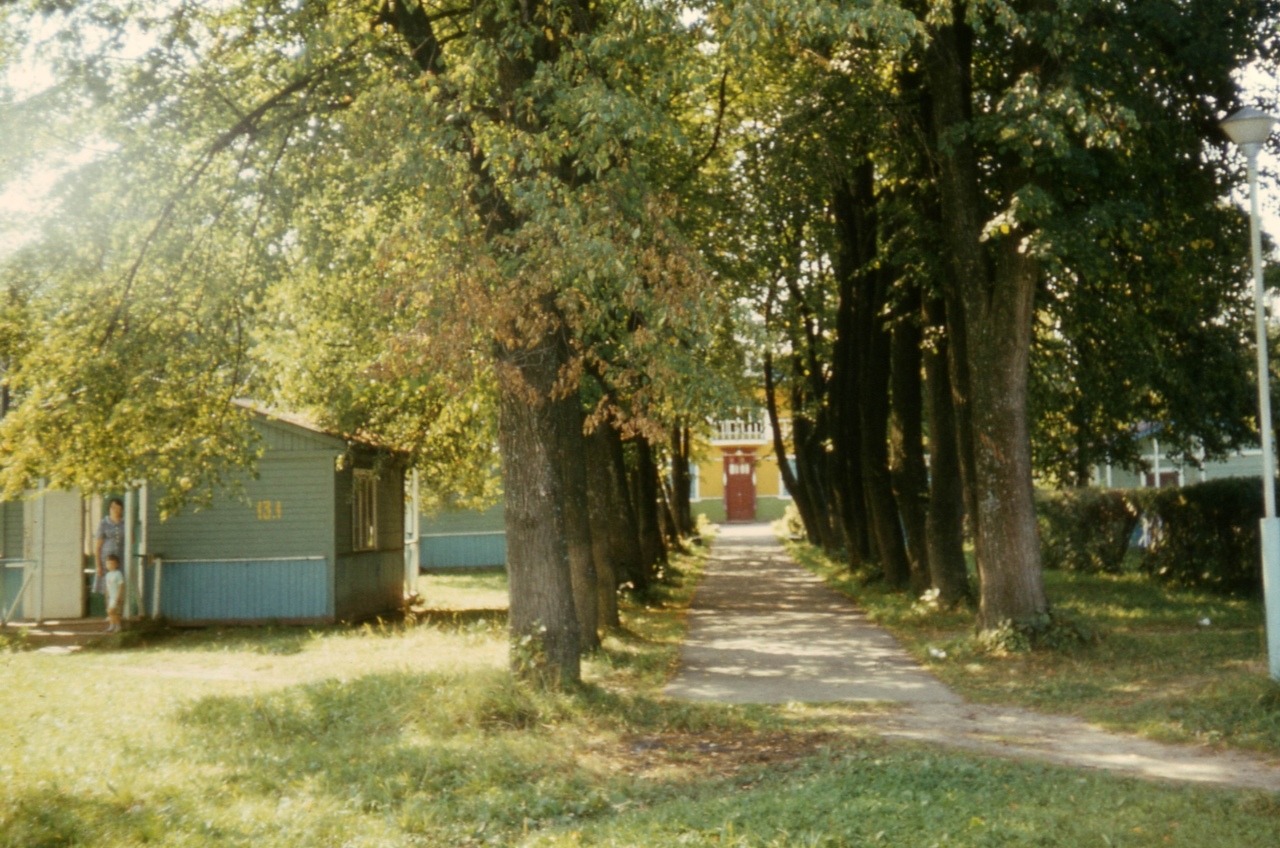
1249, 126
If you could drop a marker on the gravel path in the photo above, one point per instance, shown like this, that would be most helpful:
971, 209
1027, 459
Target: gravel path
763, 630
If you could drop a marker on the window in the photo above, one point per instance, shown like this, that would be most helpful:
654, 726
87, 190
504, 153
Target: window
364, 511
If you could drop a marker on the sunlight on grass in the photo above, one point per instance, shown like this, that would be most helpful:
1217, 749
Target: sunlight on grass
1174, 665
464, 590
414, 734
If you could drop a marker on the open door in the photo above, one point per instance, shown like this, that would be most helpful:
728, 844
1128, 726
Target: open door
52, 542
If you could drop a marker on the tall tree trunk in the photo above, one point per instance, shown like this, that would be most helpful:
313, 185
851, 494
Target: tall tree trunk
948, 571
800, 494
848, 487
613, 541
667, 517
681, 480
874, 408
906, 440
996, 298
864, 289
653, 552
582, 567
543, 620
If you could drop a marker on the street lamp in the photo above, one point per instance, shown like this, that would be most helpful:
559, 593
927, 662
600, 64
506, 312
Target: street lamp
1250, 128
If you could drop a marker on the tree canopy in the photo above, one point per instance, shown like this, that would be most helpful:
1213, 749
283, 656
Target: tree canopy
987, 231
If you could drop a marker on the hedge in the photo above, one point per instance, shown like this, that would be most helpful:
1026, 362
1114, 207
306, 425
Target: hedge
1202, 536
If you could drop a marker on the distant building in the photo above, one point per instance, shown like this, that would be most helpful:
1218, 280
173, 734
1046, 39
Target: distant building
735, 473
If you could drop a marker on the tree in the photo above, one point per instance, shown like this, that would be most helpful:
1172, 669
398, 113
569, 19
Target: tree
480, 177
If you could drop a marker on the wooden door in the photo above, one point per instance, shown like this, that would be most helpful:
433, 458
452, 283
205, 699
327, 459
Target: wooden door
740, 487
54, 536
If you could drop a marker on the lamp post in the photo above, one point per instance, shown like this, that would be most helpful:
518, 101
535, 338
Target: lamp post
1250, 128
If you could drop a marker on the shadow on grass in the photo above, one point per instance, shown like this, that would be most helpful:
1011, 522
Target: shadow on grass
50, 816
442, 753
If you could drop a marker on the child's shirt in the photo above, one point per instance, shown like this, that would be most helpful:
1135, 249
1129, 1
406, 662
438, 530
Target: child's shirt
115, 587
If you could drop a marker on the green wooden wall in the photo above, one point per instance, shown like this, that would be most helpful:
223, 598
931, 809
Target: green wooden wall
11, 530
285, 512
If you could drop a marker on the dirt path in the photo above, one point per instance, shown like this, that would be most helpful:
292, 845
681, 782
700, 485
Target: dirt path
764, 630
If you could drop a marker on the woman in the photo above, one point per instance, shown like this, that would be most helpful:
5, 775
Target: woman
110, 542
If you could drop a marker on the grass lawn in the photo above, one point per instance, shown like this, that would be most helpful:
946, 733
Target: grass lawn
1172, 665
413, 734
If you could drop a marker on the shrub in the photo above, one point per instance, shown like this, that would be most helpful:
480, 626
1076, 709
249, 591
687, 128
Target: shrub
1205, 536
1086, 530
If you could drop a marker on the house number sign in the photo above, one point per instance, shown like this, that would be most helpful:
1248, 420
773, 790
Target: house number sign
269, 510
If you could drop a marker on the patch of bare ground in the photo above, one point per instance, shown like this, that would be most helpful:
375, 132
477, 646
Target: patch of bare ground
1027, 735
996, 731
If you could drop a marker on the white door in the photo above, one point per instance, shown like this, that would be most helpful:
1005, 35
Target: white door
52, 545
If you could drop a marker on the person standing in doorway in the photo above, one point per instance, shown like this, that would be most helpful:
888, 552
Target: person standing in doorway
114, 581
110, 543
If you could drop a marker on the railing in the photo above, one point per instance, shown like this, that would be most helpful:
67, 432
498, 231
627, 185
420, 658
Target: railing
744, 430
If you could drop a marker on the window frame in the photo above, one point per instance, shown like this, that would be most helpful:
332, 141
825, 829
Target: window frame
364, 510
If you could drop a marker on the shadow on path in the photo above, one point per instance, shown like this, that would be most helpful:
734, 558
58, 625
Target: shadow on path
762, 630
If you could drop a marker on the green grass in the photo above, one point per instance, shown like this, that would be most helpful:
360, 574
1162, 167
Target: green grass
1155, 669
414, 734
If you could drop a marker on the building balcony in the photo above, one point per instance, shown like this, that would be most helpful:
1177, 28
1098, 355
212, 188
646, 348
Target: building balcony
745, 431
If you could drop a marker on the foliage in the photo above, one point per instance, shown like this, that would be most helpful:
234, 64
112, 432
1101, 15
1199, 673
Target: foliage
1086, 530
320, 232
1206, 535
1200, 536
1051, 631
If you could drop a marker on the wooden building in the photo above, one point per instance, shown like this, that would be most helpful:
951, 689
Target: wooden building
317, 535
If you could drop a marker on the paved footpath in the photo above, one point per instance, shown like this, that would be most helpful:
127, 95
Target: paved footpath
762, 630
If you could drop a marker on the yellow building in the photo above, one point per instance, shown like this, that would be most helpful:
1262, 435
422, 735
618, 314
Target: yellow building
735, 473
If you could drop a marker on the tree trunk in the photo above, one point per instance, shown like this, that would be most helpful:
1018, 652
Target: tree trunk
800, 494
948, 571
612, 528
543, 620
907, 468
874, 408
1007, 542
582, 566
653, 552
864, 291
846, 434
681, 480
996, 299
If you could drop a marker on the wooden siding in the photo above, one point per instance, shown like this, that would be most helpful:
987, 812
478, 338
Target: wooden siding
463, 550
283, 437
11, 530
284, 513
290, 590
368, 584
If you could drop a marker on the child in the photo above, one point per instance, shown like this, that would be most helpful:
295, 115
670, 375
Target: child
115, 593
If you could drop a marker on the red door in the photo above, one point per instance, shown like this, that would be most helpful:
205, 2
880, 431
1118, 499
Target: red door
740, 487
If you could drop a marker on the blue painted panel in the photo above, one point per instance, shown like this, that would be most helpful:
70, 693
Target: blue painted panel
10, 586
463, 550
253, 590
